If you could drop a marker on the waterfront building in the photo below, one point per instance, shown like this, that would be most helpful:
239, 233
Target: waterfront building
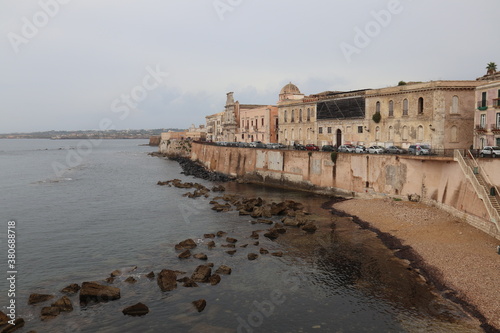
214, 126
197, 133
258, 124
437, 113
487, 115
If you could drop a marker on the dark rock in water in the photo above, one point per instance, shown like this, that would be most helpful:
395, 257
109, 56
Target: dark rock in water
263, 251
271, 234
167, 280
244, 245
3, 318
64, 304
254, 235
202, 273
231, 252
221, 233
231, 240
256, 243
218, 188
278, 209
214, 279
200, 304
116, 272
190, 283
209, 235
252, 256
138, 309
110, 280
151, 275
243, 212
92, 291
50, 312
184, 255
39, 298
228, 245
290, 222
201, 256
18, 323
211, 244
210, 264
130, 279
277, 254
187, 244
192, 168
280, 230
265, 221
183, 279
223, 269
71, 289
310, 227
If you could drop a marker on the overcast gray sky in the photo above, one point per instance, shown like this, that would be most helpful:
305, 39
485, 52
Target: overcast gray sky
69, 64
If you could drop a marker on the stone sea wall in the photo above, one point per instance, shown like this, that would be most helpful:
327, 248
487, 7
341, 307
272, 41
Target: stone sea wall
436, 181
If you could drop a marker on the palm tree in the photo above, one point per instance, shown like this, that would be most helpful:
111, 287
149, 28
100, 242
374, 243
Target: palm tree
491, 68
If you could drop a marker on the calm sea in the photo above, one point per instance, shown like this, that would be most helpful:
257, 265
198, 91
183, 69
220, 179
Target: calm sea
83, 212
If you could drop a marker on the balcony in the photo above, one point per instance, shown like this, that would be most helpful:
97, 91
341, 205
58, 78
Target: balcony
496, 103
481, 105
495, 129
481, 129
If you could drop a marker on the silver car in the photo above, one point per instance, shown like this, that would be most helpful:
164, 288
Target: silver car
376, 150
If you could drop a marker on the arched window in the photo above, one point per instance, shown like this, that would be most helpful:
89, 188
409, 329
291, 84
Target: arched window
391, 108
300, 134
420, 133
377, 107
420, 105
308, 114
405, 107
300, 115
285, 116
391, 133
454, 104
293, 116
292, 136
285, 134
308, 134
454, 134
404, 136
377, 133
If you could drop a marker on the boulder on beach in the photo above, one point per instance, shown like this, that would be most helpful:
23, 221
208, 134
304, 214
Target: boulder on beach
49, 312
202, 273
138, 309
130, 279
214, 279
187, 244
263, 251
93, 291
184, 255
231, 240
209, 235
167, 280
231, 252
252, 256
211, 244
39, 298
309, 227
223, 269
201, 256
221, 233
200, 304
71, 289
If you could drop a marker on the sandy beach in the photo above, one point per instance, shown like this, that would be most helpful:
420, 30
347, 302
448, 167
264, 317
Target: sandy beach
461, 260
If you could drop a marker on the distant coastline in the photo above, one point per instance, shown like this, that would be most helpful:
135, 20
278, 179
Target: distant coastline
89, 134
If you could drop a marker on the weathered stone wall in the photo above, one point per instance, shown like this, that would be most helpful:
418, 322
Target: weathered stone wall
175, 147
437, 180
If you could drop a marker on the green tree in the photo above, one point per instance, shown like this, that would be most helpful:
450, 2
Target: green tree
401, 83
491, 68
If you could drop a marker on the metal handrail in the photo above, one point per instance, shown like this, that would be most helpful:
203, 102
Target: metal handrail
480, 190
485, 176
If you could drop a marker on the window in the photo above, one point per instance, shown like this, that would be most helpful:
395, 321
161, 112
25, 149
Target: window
308, 114
242, 136
391, 108
285, 117
293, 116
377, 133
498, 120
482, 123
300, 115
483, 99
420, 105
454, 104
360, 129
391, 133
377, 107
309, 134
285, 134
320, 130
405, 107
329, 130
262, 122
420, 133
292, 134
300, 133
453, 134
405, 134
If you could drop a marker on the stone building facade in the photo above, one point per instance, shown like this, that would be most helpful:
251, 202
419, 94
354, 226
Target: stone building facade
214, 126
487, 115
258, 124
438, 113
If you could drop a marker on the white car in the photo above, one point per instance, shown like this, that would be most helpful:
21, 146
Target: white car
360, 149
491, 151
376, 150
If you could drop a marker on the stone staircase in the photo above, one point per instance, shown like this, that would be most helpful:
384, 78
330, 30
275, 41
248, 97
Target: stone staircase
481, 184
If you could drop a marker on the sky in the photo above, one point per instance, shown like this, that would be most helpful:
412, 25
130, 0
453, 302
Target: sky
129, 64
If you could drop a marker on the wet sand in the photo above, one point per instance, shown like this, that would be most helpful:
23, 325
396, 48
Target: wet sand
460, 260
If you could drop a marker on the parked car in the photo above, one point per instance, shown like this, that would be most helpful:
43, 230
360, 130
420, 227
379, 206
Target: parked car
376, 150
328, 148
298, 146
346, 148
257, 144
310, 146
360, 149
281, 146
395, 150
491, 151
419, 150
